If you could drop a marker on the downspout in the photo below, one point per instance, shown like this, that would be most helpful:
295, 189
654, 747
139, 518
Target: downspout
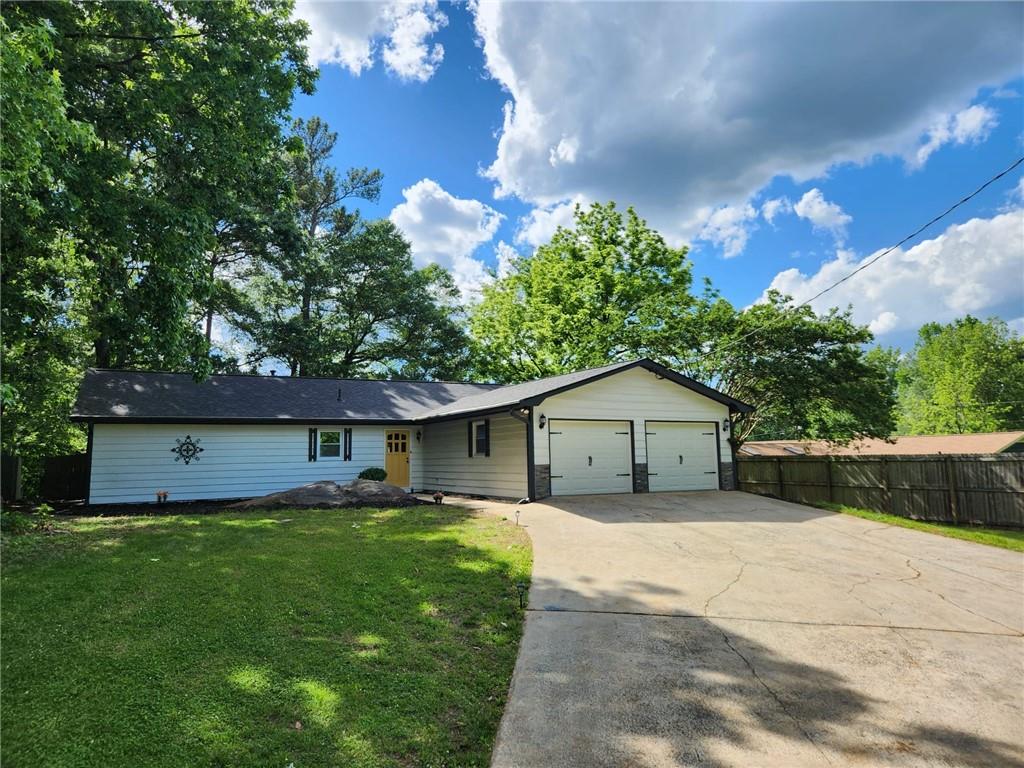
732, 453
531, 490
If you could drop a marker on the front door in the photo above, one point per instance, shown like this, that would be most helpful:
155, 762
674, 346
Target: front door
396, 457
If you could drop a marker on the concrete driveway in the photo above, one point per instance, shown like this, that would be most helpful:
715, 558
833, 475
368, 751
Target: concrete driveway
725, 629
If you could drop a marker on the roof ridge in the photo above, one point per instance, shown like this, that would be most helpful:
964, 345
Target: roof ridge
302, 378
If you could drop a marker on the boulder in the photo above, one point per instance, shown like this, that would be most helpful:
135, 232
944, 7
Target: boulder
327, 493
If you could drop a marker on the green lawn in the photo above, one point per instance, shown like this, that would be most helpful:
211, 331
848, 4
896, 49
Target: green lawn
313, 638
995, 537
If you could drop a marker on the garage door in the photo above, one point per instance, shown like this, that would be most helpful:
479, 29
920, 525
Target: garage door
682, 456
590, 457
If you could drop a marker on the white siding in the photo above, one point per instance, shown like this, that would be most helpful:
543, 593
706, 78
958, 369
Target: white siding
448, 466
636, 394
131, 462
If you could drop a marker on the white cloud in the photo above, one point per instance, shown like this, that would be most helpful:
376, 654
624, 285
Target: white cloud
506, 256
673, 129
1017, 325
728, 227
884, 323
446, 230
565, 152
822, 214
974, 267
408, 53
774, 207
540, 224
968, 126
353, 34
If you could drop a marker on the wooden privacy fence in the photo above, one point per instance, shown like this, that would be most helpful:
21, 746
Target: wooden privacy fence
979, 489
65, 478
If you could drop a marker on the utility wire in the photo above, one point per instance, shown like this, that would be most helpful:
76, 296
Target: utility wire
884, 253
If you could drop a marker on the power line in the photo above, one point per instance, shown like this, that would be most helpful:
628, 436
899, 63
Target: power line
886, 252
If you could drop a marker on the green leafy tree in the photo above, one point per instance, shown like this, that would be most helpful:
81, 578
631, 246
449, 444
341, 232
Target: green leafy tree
361, 308
608, 288
45, 340
131, 133
183, 98
612, 289
967, 376
807, 374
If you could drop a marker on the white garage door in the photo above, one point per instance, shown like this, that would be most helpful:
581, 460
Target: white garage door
590, 457
682, 456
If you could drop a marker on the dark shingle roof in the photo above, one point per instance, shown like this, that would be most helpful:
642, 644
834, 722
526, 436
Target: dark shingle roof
138, 395
108, 395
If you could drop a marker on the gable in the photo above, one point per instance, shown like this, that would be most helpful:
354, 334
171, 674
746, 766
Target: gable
635, 390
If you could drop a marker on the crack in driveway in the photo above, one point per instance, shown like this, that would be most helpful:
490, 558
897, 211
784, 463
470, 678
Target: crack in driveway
739, 575
778, 700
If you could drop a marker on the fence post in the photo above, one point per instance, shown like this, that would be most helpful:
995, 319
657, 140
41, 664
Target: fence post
886, 493
951, 482
828, 477
778, 469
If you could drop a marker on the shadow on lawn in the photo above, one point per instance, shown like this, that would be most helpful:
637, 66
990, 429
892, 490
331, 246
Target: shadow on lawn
355, 637
624, 688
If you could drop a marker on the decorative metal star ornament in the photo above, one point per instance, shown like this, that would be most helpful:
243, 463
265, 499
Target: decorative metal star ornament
188, 450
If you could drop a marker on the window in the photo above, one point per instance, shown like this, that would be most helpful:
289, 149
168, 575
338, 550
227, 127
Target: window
330, 443
480, 438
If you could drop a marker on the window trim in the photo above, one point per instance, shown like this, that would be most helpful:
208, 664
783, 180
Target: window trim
346, 450
474, 438
320, 444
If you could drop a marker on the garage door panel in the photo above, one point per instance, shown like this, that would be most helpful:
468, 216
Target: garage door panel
590, 457
682, 456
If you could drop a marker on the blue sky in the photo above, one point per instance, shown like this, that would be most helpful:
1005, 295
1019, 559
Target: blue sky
858, 123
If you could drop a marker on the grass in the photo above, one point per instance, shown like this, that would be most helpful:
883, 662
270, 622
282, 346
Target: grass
994, 537
310, 638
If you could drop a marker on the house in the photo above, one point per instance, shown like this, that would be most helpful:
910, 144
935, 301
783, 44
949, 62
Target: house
904, 445
626, 427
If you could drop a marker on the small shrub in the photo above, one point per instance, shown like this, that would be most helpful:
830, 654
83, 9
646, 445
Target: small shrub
15, 522
373, 473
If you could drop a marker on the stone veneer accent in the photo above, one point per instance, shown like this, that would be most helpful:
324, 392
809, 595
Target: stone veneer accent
542, 480
640, 483
726, 477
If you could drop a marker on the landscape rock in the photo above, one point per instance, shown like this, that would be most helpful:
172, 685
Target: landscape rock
327, 493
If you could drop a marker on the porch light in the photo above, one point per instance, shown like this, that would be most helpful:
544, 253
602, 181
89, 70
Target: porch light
542, 421
725, 426
418, 435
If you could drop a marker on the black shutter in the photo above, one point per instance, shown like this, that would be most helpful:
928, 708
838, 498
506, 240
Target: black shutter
312, 444
470, 431
347, 453
487, 437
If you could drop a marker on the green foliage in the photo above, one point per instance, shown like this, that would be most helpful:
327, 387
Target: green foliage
348, 301
15, 522
132, 133
611, 289
607, 289
993, 537
807, 374
203, 640
967, 376
373, 473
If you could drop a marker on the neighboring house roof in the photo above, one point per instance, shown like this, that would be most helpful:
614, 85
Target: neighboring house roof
906, 445
143, 396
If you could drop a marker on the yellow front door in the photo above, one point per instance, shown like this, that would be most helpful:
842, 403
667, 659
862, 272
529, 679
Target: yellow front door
396, 457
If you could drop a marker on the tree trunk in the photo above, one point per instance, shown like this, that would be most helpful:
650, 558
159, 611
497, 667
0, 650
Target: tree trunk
209, 325
102, 346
